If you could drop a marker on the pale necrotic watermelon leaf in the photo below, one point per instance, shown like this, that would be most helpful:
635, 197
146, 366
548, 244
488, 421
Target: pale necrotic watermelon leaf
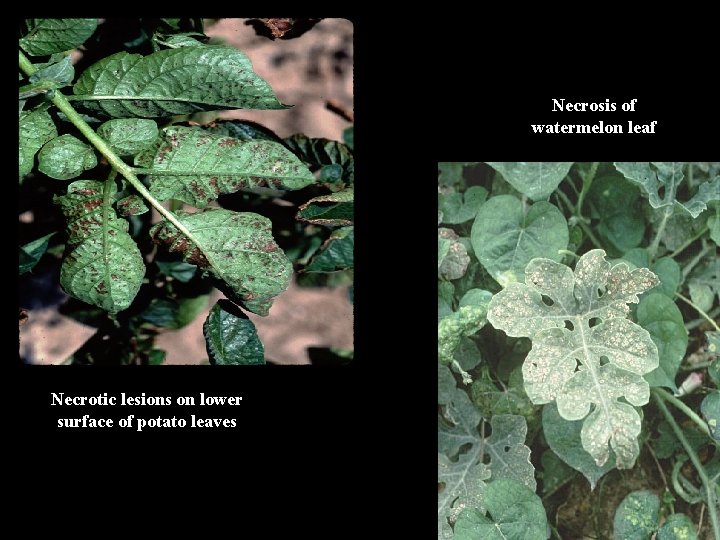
585, 367
237, 248
564, 438
660, 181
505, 237
466, 321
173, 81
195, 166
514, 513
535, 179
453, 259
463, 476
48, 36
102, 265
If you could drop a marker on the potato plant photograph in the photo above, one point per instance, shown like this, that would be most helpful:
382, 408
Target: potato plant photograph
166, 180
578, 342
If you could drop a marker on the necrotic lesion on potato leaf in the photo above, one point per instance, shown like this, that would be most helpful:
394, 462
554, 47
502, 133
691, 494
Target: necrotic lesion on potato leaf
236, 248
585, 367
102, 264
196, 167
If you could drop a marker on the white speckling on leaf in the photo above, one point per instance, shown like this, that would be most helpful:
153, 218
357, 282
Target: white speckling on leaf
565, 365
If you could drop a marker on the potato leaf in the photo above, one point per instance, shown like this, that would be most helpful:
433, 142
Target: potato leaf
236, 248
195, 166
66, 157
173, 81
332, 209
230, 337
128, 136
660, 182
557, 309
505, 237
102, 264
31, 252
536, 179
336, 253
36, 128
48, 36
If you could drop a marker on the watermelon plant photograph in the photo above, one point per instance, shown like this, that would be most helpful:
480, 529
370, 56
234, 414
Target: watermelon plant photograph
578, 343
186, 191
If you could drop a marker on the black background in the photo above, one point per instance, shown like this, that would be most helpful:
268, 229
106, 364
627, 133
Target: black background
330, 451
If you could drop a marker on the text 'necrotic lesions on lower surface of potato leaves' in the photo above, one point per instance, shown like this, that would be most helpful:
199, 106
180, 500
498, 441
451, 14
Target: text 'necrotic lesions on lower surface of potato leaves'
237, 248
102, 264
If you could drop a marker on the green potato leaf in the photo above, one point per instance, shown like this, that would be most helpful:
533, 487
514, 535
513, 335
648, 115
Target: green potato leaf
173, 81
536, 179
129, 136
195, 166
505, 238
637, 516
102, 264
236, 248
332, 209
36, 129
231, 338
47, 36
66, 157
174, 313
585, 367
336, 253
31, 252
61, 73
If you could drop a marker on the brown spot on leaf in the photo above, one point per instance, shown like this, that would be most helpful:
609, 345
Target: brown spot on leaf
197, 257
101, 286
214, 184
269, 247
92, 204
227, 143
85, 191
